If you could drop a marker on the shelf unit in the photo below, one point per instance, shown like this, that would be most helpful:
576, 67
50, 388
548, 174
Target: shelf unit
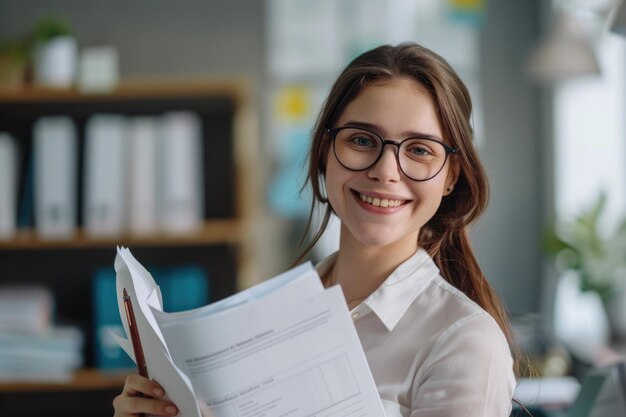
212, 232
223, 245
82, 380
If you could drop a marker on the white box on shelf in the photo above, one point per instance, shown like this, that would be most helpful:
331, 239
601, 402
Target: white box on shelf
182, 196
8, 186
142, 175
98, 69
105, 178
55, 177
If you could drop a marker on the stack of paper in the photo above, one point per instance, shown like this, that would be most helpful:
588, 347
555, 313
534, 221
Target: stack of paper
25, 309
30, 347
284, 347
51, 355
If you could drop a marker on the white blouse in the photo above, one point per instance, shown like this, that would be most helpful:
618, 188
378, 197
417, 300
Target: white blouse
432, 351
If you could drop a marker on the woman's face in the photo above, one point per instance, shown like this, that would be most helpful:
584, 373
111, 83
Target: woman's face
397, 109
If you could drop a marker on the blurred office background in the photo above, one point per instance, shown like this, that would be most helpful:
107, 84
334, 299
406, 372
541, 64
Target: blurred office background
240, 82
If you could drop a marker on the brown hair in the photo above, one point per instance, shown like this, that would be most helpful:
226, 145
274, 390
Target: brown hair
444, 236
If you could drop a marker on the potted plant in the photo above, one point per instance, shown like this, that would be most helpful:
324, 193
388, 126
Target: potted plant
12, 64
55, 53
598, 258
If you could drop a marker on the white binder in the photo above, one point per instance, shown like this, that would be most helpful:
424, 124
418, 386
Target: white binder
104, 181
8, 186
142, 176
54, 153
182, 196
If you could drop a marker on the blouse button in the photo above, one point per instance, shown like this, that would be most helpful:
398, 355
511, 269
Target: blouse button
355, 315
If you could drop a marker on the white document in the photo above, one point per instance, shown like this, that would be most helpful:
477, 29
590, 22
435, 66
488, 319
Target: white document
182, 192
286, 347
8, 186
104, 187
142, 175
54, 144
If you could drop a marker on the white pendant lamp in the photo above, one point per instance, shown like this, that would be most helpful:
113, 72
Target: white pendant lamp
564, 54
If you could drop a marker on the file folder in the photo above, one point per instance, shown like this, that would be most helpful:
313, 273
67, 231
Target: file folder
55, 177
8, 186
182, 198
104, 187
142, 173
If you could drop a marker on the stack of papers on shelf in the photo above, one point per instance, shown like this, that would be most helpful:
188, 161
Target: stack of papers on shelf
286, 347
30, 347
49, 356
25, 309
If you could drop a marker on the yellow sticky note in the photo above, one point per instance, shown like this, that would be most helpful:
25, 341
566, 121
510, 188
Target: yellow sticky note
293, 103
468, 5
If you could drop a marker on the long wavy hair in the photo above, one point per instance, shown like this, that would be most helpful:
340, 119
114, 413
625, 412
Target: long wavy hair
445, 235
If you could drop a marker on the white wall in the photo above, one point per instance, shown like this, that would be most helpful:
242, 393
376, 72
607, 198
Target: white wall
508, 238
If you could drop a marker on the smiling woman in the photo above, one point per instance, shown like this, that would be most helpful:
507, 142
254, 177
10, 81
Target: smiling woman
434, 333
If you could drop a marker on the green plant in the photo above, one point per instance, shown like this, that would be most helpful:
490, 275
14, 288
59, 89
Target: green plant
50, 27
13, 51
599, 258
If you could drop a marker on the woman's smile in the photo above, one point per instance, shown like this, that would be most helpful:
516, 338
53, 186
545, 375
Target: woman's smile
379, 202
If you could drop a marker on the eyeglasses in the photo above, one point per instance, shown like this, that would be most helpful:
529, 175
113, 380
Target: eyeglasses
359, 149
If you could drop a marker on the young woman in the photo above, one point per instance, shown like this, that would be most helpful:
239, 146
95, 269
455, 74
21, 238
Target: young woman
393, 157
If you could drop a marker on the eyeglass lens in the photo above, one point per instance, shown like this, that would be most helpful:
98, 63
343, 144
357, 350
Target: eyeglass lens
419, 159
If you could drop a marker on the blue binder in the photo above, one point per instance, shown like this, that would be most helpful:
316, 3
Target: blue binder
182, 287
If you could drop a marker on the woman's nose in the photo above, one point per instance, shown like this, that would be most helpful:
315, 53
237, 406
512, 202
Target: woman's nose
387, 167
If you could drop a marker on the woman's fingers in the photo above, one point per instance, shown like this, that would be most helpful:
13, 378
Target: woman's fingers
137, 384
135, 405
141, 395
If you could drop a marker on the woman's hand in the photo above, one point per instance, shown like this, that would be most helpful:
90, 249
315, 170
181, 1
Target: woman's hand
130, 402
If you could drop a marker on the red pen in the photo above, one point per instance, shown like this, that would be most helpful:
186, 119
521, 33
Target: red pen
134, 336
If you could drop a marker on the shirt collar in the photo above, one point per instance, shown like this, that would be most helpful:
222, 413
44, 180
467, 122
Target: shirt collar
394, 296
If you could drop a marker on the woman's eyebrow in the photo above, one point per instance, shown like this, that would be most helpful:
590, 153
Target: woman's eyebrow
382, 133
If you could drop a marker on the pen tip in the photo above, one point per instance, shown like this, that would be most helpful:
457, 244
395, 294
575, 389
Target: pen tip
125, 293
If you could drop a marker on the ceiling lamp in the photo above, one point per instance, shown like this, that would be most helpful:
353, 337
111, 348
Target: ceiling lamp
564, 54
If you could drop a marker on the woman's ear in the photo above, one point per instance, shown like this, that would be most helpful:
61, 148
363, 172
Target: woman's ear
451, 179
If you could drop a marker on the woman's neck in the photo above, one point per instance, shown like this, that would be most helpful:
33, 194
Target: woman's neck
361, 269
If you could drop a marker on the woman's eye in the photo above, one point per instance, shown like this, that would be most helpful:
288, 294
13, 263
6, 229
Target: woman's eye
419, 150
363, 141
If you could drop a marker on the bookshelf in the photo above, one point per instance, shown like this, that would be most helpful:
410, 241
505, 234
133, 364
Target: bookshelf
84, 379
211, 232
223, 245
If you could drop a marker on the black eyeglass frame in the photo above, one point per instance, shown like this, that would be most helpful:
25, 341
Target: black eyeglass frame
335, 130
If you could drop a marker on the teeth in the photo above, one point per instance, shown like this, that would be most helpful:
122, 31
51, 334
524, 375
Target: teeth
380, 202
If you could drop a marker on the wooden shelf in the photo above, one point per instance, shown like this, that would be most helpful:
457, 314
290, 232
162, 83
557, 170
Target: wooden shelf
213, 232
84, 379
133, 89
